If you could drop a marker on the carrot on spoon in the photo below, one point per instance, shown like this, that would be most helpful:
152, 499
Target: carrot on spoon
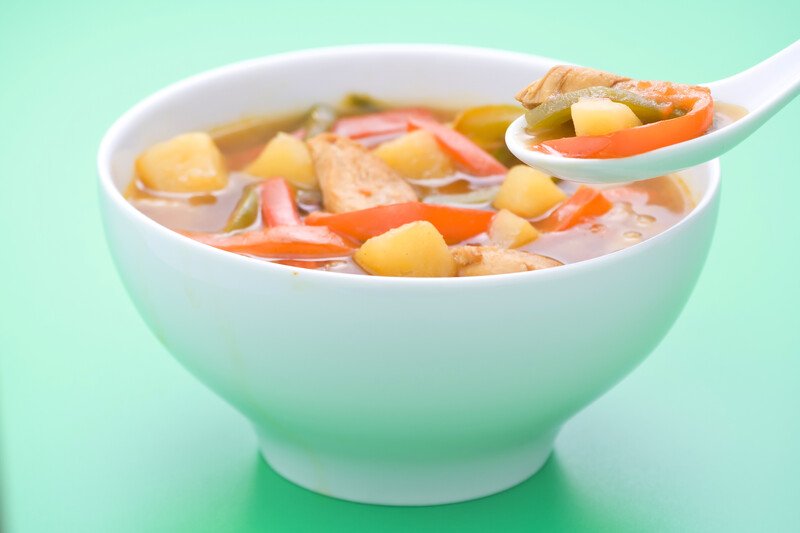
695, 102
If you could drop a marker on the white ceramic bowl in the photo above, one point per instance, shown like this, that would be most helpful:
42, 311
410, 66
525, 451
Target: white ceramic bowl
390, 390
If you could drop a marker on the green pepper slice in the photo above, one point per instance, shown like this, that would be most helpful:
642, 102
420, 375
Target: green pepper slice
486, 126
556, 109
358, 103
246, 210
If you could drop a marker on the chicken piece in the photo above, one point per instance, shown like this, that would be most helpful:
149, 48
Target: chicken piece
564, 79
485, 260
352, 178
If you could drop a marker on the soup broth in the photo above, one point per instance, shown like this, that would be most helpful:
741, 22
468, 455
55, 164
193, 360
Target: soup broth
635, 212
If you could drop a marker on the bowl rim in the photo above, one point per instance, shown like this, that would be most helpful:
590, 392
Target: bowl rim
121, 125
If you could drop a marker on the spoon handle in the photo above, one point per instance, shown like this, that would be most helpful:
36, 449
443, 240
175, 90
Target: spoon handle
765, 87
763, 90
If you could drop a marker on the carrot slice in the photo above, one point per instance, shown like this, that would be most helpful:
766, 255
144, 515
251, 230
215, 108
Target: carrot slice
468, 154
284, 242
585, 204
278, 207
383, 123
456, 224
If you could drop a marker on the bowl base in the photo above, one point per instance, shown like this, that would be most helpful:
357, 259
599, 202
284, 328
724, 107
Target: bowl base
408, 482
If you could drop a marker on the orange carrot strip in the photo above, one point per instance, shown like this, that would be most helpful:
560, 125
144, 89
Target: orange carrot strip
472, 157
284, 242
456, 224
278, 207
585, 204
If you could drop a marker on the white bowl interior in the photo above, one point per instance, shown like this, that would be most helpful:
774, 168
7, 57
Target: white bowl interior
451, 77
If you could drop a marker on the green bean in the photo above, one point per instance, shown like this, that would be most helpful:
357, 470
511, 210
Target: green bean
358, 103
246, 211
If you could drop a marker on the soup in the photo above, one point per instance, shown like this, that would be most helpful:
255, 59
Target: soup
365, 187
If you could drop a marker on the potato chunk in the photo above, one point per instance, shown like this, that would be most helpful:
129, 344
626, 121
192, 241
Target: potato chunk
287, 157
528, 193
416, 155
507, 230
599, 116
415, 250
486, 260
187, 163
352, 178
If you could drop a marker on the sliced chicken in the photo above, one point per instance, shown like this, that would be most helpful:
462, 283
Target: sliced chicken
352, 178
485, 260
564, 79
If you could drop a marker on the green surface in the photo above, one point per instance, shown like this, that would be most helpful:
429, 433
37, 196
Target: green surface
103, 431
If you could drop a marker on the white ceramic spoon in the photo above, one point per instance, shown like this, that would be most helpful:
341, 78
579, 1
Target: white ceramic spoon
762, 90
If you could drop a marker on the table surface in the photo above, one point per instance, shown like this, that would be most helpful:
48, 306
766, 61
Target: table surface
103, 431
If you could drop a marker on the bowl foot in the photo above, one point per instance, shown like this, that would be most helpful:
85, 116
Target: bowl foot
407, 482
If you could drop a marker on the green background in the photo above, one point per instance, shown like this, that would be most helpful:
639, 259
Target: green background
103, 431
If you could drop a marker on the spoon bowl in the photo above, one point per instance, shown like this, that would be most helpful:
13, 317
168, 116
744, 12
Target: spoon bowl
763, 90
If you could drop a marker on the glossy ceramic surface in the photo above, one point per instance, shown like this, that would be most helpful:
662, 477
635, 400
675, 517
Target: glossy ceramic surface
385, 390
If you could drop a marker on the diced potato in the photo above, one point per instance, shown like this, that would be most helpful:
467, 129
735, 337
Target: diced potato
507, 230
416, 156
599, 116
187, 163
287, 157
528, 193
416, 249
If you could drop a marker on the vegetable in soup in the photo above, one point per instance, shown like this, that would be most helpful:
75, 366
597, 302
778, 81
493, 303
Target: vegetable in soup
586, 113
365, 187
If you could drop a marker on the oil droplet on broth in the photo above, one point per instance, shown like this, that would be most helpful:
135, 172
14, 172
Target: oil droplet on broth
632, 235
645, 220
597, 228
